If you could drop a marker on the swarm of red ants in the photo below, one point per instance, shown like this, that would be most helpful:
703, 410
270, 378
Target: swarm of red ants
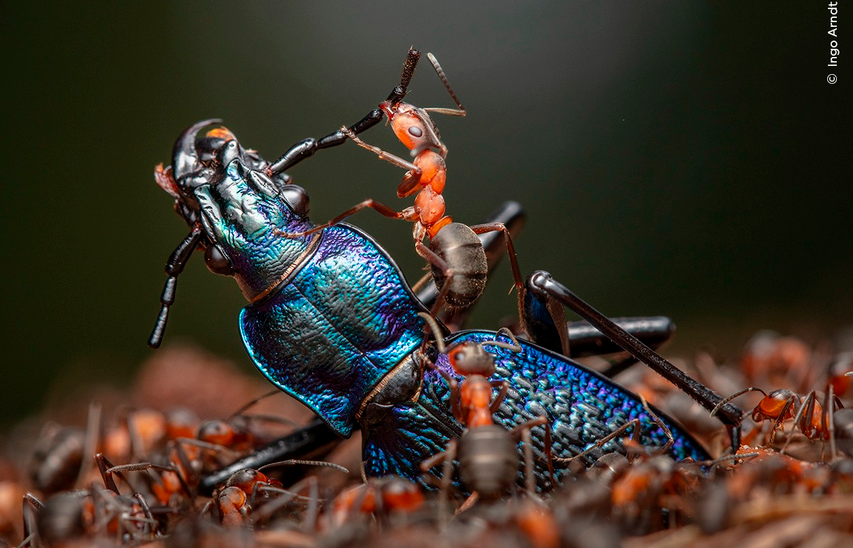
129, 472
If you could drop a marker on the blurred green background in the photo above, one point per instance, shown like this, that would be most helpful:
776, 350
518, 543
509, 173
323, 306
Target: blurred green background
674, 158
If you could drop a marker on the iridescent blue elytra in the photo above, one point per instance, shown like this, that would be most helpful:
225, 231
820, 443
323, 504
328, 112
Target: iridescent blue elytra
332, 322
330, 335
582, 407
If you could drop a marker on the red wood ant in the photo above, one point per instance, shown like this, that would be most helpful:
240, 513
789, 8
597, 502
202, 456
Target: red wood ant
251, 497
814, 420
96, 512
488, 453
459, 266
378, 496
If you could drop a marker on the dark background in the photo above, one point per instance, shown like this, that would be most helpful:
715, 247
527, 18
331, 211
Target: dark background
675, 158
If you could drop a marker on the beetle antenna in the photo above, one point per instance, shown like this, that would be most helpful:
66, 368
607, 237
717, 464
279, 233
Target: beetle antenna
409, 65
174, 266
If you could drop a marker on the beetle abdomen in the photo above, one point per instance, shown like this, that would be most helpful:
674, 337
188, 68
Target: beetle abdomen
462, 250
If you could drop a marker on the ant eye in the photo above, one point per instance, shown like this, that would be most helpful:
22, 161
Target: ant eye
415, 131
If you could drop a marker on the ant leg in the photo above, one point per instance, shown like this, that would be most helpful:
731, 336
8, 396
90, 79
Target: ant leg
448, 455
144, 466
107, 469
252, 403
379, 207
286, 496
803, 419
454, 393
451, 382
30, 508
727, 399
182, 454
779, 422
174, 266
829, 425
441, 265
522, 431
513, 261
498, 400
667, 432
152, 526
510, 248
90, 445
408, 186
545, 287
529, 479
307, 147
600, 443
549, 454
313, 511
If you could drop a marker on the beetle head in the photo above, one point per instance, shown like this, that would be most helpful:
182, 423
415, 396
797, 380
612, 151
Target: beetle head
218, 183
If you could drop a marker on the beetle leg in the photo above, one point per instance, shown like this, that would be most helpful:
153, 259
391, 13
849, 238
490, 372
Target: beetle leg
585, 340
307, 147
543, 286
314, 438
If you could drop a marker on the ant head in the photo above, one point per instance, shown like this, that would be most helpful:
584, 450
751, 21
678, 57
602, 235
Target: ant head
781, 394
216, 431
414, 128
470, 358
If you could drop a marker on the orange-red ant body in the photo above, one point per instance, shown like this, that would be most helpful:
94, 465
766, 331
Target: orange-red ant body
813, 419
454, 249
488, 456
250, 496
378, 496
428, 171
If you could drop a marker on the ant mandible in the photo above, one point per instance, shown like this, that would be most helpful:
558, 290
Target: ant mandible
455, 253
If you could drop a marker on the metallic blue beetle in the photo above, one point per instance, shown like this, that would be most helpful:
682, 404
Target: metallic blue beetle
332, 322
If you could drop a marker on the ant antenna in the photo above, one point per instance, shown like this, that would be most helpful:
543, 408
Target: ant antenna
448, 111
436, 331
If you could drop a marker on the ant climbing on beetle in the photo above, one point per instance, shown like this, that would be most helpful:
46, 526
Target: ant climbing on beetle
488, 457
456, 255
355, 361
